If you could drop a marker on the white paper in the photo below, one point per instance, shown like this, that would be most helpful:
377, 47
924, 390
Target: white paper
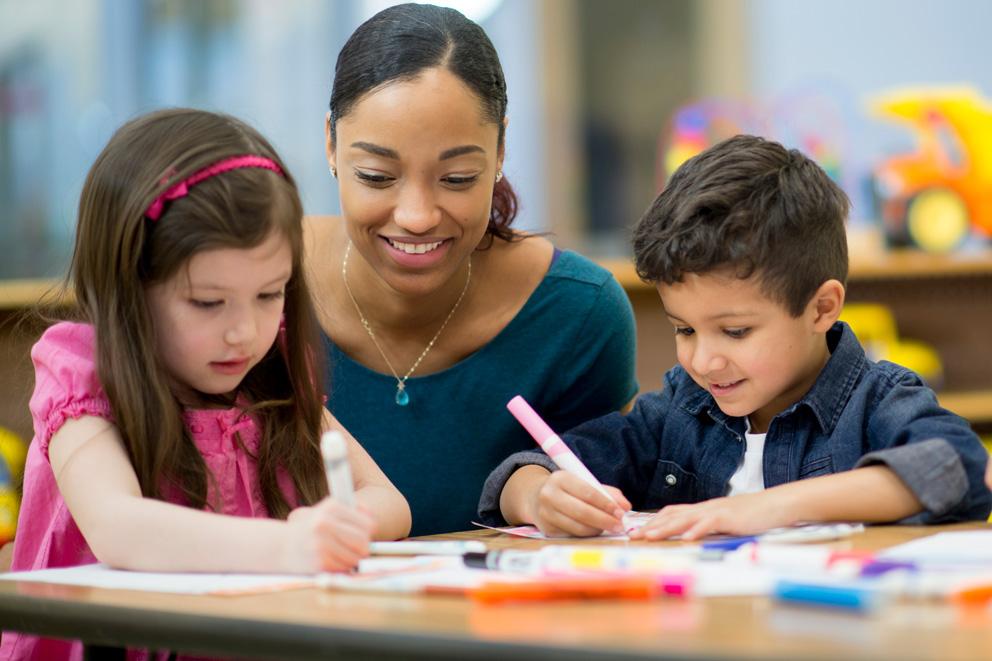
102, 576
971, 547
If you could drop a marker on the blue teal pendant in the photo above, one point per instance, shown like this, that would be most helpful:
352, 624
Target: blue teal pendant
402, 398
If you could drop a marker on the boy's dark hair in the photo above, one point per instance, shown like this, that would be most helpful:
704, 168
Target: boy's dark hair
750, 205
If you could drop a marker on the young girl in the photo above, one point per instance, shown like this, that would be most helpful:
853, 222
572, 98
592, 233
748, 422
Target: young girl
177, 426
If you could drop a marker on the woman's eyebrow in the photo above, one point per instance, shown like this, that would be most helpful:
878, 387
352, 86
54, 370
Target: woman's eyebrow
378, 150
458, 151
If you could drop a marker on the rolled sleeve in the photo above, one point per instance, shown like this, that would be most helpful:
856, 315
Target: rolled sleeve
489, 512
931, 469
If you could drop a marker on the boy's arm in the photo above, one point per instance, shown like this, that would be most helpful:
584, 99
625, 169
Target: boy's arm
871, 494
933, 451
373, 490
621, 451
126, 530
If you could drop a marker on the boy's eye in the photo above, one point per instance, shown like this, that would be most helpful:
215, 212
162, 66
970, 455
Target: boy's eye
736, 333
372, 178
205, 305
684, 330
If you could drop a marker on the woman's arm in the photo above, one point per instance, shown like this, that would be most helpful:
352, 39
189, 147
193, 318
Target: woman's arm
373, 490
126, 530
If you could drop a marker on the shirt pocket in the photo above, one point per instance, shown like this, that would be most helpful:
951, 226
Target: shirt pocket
817, 466
673, 484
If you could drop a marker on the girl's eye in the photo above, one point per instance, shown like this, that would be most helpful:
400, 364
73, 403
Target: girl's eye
372, 178
460, 180
684, 330
272, 296
736, 333
204, 305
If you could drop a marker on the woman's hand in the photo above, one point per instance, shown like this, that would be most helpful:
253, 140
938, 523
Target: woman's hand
565, 505
328, 536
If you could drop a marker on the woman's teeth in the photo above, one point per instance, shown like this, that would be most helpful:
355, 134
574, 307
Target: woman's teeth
414, 248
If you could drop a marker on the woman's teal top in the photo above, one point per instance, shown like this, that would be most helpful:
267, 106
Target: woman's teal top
569, 352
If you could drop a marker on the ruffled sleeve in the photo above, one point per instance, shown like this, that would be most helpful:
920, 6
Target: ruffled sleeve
66, 382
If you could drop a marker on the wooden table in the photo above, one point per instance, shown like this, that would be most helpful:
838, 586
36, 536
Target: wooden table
312, 623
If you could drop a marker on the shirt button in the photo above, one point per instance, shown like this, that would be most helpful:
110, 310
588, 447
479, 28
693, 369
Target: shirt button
196, 429
671, 480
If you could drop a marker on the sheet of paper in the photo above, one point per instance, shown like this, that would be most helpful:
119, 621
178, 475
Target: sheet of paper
635, 519
101, 576
969, 547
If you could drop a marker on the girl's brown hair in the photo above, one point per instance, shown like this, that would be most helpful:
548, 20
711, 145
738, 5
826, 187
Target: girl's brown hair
119, 253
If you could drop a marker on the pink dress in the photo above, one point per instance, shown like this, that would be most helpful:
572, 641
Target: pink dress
67, 387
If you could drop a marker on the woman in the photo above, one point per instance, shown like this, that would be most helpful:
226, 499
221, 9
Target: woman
435, 311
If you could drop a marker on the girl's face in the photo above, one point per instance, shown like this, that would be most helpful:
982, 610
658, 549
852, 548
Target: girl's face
417, 162
218, 317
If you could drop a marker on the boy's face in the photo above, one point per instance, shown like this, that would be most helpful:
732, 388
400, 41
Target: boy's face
744, 348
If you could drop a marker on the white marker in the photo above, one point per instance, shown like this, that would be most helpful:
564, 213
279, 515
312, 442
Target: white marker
335, 452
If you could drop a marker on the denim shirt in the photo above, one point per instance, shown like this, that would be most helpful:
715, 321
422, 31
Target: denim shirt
677, 446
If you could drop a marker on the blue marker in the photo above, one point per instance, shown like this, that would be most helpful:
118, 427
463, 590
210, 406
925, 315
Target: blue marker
729, 543
847, 597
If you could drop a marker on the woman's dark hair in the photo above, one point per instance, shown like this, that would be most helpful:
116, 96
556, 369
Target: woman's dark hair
751, 205
400, 42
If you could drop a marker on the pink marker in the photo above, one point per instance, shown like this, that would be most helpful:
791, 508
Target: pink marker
552, 444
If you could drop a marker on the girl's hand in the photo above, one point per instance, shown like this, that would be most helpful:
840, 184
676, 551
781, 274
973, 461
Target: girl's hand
327, 536
988, 473
566, 505
745, 514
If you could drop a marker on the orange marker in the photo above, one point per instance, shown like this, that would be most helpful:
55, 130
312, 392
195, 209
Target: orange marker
973, 595
566, 588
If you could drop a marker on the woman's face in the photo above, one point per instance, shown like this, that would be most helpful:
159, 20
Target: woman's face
417, 162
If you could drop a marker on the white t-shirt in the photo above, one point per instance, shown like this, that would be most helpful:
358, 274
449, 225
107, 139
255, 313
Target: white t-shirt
750, 476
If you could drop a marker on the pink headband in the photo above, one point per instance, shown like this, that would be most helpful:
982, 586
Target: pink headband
181, 189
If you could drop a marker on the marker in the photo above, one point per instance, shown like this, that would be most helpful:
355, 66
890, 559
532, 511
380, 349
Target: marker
847, 597
553, 446
428, 547
335, 454
609, 587
671, 568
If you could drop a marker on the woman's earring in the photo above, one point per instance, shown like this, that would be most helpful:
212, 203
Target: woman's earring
334, 172
499, 176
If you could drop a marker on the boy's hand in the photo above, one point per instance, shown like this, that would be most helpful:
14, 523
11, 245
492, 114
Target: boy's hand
566, 505
327, 536
745, 514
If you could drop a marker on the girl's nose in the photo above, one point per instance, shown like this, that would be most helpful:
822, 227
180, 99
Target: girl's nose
416, 210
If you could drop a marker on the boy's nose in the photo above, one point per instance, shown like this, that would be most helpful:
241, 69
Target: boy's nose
706, 362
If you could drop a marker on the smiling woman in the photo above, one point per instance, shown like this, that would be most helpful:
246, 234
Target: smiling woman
435, 311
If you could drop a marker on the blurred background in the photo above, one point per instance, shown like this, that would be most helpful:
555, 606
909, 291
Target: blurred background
605, 99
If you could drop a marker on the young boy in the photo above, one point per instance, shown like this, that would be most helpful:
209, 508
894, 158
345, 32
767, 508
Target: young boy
774, 415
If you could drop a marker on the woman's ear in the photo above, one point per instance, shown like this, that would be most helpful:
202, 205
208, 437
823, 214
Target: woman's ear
329, 144
828, 301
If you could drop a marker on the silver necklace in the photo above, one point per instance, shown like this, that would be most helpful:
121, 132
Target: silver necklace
402, 396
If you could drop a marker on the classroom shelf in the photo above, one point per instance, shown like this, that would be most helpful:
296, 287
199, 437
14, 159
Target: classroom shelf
974, 406
889, 265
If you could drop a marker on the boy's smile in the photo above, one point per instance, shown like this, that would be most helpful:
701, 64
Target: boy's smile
744, 348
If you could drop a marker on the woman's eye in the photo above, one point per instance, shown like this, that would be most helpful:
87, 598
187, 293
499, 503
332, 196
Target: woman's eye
736, 333
204, 305
373, 178
684, 330
460, 180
